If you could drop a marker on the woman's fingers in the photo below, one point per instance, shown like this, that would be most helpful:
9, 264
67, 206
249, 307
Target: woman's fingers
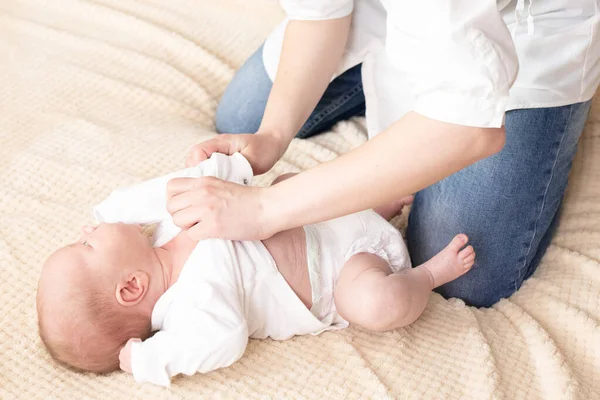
179, 202
220, 144
208, 207
179, 185
188, 198
188, 217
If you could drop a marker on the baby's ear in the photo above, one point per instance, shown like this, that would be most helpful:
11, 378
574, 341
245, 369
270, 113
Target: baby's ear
132, 290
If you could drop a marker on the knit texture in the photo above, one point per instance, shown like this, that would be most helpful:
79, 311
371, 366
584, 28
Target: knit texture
96, 94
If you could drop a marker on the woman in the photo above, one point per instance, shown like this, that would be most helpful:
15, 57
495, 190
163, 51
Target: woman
436, 79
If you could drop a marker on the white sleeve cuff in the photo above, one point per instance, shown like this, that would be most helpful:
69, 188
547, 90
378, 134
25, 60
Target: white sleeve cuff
459, 109
234, 168
146, 365
315, 10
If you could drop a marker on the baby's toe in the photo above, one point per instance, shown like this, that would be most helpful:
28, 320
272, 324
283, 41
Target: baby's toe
458, 242
466, 252
468, 257
469, 263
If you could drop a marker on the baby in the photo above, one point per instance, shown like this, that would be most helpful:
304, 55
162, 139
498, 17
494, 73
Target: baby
100, 299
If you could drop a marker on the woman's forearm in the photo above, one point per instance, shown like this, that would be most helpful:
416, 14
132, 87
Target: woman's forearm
412, 154
311, 54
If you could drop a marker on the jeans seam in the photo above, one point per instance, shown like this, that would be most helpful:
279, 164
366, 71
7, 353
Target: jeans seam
332, 107
537, 219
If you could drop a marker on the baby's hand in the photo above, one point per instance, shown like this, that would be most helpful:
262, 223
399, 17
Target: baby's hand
125, 356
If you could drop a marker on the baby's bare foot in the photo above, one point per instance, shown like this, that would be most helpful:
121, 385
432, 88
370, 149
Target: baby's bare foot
451, 262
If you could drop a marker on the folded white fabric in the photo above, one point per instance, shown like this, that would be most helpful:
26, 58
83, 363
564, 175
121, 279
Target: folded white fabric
145, 203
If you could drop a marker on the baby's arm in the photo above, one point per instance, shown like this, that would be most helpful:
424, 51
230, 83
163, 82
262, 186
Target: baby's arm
168, 354
204, 329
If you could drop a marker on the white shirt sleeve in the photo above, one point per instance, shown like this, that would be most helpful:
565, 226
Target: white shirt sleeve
317, 9
457, 54
198, 335
145, 203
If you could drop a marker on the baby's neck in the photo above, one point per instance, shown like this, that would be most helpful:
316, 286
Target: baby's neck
173, 257
166, 263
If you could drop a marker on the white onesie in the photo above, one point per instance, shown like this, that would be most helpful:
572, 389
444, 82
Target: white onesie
228, 290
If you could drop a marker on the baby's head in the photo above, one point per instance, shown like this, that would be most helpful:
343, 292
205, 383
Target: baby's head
97, 293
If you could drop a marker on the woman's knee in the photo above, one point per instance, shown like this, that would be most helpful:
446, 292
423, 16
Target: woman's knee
242, 106
478, 291
505, 203
433, 224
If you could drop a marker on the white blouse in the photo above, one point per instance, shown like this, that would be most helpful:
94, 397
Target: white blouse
461, 61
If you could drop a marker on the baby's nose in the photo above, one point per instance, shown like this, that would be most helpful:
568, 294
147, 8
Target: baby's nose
87, 229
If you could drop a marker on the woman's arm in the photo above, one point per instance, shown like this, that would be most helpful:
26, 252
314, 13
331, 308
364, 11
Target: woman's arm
461, 62
310, 55
413, 153
461, 73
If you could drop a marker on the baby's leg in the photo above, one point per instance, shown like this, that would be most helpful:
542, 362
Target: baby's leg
370, 295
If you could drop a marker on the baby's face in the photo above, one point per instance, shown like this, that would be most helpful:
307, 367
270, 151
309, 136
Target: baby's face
106, 249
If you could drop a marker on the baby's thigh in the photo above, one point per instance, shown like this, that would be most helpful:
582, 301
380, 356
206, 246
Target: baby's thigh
358, 289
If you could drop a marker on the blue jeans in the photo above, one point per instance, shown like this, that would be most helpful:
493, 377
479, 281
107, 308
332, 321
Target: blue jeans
508, 204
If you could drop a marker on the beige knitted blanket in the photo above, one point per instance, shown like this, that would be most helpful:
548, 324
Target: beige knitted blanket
95, 94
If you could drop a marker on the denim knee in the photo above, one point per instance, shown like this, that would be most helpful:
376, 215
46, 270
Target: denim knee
234, 117
243, 104
435, 219
507, 204
475, 290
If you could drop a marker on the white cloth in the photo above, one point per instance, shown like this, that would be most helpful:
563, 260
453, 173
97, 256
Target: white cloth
145, 203
330, 244
455, 61
227, 291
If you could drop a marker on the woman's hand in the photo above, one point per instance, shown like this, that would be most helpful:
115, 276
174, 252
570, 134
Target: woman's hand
208, 207
262, 149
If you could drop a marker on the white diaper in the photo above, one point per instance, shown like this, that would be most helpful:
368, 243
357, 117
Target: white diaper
330, 244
